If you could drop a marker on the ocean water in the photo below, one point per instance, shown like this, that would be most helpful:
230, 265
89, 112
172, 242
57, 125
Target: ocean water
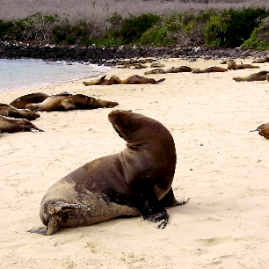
24, 73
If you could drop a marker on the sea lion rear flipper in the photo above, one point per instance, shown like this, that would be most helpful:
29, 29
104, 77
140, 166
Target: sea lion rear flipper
159, 81
53, 226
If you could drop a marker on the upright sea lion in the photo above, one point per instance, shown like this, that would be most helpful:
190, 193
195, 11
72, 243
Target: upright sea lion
130, 80
263, 130
233, 66
11, 111
66, 101
136, 181
253, 77
10, 125
22, 101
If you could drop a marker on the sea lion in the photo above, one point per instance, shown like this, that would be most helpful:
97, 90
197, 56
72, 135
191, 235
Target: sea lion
10, 125
11, 111
136, 181
209, 70
153, 65
253, 77
233, 66
66, 101
130, 80
261, 60
179, 69
155, 71
22, 101
263, 130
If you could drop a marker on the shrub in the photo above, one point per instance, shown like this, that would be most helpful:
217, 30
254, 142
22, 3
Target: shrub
259, 38
133, 27
6, 28
232, 27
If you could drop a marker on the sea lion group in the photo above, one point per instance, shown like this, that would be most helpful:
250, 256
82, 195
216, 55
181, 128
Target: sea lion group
134, 182
26, 107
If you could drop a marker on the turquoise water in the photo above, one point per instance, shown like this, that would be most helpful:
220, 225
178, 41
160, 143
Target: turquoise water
24, 73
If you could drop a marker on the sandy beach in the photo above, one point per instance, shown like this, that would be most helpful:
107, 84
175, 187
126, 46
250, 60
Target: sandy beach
221, 167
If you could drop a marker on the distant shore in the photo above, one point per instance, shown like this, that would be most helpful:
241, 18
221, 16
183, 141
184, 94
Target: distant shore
109, 56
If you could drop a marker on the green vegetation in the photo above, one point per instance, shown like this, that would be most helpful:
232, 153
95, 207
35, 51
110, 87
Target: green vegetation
259, 38
213, 28
232, 27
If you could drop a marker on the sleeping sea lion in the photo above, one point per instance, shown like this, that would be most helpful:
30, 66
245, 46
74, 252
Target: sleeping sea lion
263, 130
209, 70
10, 125
136, 181
155, 71
116, 80
11, 111
261, 60
22, 101
66, 101
253, 77
179, 69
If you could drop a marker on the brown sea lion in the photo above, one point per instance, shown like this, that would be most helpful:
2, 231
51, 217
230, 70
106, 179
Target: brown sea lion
253, 77
22, 101
66, 101
263, 130
233, 66
130, 80
11, 111
261, 60
179, 69
155, 71
10, 125
209, 70
157, 65
136, 181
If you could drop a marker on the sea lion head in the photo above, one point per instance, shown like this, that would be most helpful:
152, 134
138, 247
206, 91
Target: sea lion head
137, 129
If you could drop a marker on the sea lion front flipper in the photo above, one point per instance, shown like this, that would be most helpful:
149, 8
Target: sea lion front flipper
149, 205
169, 200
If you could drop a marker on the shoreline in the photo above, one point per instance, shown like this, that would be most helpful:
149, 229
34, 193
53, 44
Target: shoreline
110, 56
221, 167
31, 73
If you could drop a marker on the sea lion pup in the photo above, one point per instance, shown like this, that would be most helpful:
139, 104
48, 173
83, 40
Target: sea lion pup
134, 182
66, 101
11, 111
209, 70
263, 130
22, 101
130, 80
10, 125
253, 77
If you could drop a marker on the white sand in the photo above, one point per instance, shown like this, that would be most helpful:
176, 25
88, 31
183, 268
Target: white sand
221, 166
